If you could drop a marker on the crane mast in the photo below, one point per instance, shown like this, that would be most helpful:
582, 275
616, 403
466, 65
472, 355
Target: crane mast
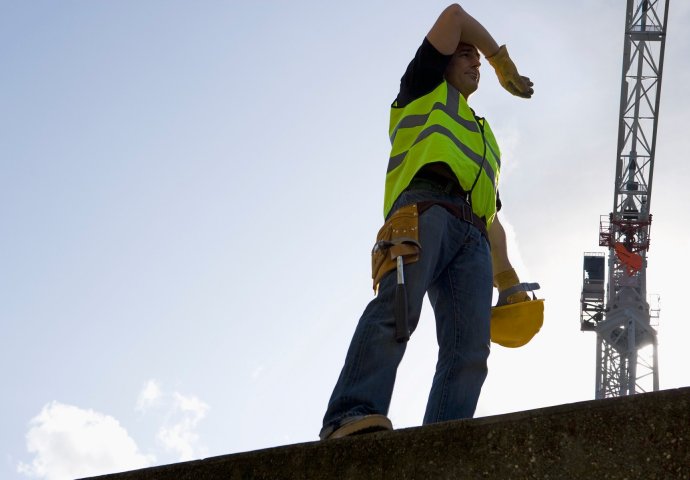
621, 315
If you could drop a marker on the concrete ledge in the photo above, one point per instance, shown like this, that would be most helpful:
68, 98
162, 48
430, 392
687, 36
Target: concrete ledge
645, 436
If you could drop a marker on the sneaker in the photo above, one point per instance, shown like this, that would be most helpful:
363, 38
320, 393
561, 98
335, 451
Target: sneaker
357, 425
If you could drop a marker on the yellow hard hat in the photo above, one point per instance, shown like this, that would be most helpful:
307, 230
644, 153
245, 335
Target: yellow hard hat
515, 324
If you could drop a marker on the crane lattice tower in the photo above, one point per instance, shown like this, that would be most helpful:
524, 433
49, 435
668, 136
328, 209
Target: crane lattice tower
621, 315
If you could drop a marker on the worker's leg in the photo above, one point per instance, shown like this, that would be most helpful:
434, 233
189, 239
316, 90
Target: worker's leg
365, 384
461, 298
366, 381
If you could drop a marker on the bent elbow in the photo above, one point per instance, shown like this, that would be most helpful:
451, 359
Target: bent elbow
454, 11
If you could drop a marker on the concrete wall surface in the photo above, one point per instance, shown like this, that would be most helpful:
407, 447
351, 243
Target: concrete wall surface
646, 436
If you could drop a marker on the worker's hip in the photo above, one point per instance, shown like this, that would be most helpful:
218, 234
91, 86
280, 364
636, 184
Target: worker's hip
433, 235
448, 194
452, 265
450, 207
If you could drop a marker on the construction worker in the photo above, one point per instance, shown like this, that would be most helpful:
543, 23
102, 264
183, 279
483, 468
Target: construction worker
440, 206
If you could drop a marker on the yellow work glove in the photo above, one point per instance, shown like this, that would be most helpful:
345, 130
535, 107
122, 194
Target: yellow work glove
508, 76
504, 281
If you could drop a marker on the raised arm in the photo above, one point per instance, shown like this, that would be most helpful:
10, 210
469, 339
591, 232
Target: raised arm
455, 26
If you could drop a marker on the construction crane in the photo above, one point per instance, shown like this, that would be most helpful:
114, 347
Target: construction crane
623, 315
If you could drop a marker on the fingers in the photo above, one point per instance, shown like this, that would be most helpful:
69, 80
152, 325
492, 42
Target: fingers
519, 91
508, 75
517, 298
521, 87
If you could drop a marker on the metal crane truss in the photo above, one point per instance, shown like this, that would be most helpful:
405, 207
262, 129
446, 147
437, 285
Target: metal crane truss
643, 54
621, 316
612, 381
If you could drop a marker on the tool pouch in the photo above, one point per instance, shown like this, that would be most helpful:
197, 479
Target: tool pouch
399, 236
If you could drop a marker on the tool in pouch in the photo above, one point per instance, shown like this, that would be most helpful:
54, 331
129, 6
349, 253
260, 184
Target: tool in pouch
397, 244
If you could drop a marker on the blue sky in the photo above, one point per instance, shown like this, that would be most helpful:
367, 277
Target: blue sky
189, 192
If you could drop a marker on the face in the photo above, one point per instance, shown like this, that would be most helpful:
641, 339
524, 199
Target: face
463, 70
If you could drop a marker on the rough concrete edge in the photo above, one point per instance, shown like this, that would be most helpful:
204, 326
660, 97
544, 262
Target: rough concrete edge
570, 408
511, 417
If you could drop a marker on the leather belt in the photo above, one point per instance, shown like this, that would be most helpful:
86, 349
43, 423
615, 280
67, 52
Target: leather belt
463, 213
429, 181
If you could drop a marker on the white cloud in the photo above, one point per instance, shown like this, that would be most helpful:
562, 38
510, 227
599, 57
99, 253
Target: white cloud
149, 396
69, 442
180, 436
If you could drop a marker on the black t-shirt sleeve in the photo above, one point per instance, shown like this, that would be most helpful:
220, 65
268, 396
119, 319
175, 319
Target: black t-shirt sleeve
423, 74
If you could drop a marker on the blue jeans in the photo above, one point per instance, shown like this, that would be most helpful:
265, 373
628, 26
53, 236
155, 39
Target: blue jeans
455, 269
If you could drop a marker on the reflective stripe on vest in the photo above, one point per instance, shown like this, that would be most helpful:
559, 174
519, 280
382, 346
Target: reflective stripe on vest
441, 127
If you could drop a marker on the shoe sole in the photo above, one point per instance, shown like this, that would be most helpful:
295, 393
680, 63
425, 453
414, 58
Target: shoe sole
368, 424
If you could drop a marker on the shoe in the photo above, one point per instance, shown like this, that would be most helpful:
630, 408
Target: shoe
357, 425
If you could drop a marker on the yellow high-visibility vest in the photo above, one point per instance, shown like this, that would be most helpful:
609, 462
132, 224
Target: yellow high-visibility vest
441, 127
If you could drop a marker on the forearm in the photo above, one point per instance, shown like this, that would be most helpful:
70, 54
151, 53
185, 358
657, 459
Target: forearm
504, 274
499, 247
454, 26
